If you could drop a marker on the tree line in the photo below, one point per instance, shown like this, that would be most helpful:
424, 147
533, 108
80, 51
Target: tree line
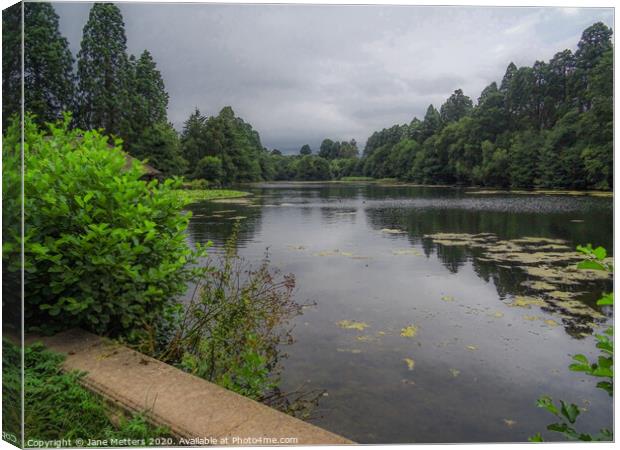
549, 125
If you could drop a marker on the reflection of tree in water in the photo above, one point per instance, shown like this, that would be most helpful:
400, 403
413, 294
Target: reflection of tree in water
572, 298
214, 222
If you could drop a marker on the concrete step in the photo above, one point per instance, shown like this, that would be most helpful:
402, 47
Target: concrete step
194, 409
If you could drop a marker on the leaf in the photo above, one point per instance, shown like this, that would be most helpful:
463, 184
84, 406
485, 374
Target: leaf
590, 265
546, 402
570, 411
606, 300
536, 438
600, 253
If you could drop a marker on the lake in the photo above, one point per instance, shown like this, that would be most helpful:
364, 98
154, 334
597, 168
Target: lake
484, 335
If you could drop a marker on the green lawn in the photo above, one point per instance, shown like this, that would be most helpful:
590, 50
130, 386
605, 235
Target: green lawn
57, 407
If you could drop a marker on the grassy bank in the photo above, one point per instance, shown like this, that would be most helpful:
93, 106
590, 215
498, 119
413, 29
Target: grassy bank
57, 407
199, 195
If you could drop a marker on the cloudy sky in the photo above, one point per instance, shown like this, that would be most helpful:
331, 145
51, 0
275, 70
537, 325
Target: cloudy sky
300, 73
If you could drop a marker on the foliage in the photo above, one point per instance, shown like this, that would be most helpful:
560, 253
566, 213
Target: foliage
197, 194
159, 145
48, 63
549, 125
210, 168
232, 330
103, 249
602, 368
226, 137
58, 407
104, 73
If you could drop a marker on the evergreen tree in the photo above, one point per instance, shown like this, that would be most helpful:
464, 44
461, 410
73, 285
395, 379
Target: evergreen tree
431, 123
104, 73
194, 139
11, 63
48, 63
150, 99
159, 146
305, 150
457, 106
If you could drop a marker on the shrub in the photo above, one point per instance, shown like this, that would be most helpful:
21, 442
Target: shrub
103, 249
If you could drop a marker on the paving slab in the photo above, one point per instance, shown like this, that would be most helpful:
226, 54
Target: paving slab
192, 408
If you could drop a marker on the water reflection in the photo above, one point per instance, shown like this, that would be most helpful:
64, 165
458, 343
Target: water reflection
361, 253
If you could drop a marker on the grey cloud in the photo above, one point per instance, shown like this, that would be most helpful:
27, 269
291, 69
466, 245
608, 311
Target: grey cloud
300, 73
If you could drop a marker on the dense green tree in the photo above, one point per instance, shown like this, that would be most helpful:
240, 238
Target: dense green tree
549, 125
312, 168
457, 106
305, 150
11, 63
329, 149
48, 63
431, 123
149, 99
193, 138
159, 145
104, 76
210, 168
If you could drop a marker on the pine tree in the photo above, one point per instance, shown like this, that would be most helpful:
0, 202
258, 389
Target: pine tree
150, 98
48, 64
103, 72
193, 139
11, 63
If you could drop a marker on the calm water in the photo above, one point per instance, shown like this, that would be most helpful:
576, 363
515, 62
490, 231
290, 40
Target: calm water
480, 364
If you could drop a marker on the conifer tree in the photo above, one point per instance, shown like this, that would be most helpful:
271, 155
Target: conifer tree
48, 63
103, 72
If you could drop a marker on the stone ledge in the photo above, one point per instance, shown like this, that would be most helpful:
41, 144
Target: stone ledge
192, 408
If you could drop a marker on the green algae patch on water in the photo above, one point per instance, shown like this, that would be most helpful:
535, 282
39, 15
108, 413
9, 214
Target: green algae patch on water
409, 332
392, 231
522, 301
408, 251
352, 325
410, 363
447, 298
455, 372
354, 351
552, 323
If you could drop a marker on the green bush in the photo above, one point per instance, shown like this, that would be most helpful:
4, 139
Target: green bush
104, 250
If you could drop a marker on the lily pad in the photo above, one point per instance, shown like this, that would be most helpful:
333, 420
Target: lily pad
472, 348
455, 372
447, 298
